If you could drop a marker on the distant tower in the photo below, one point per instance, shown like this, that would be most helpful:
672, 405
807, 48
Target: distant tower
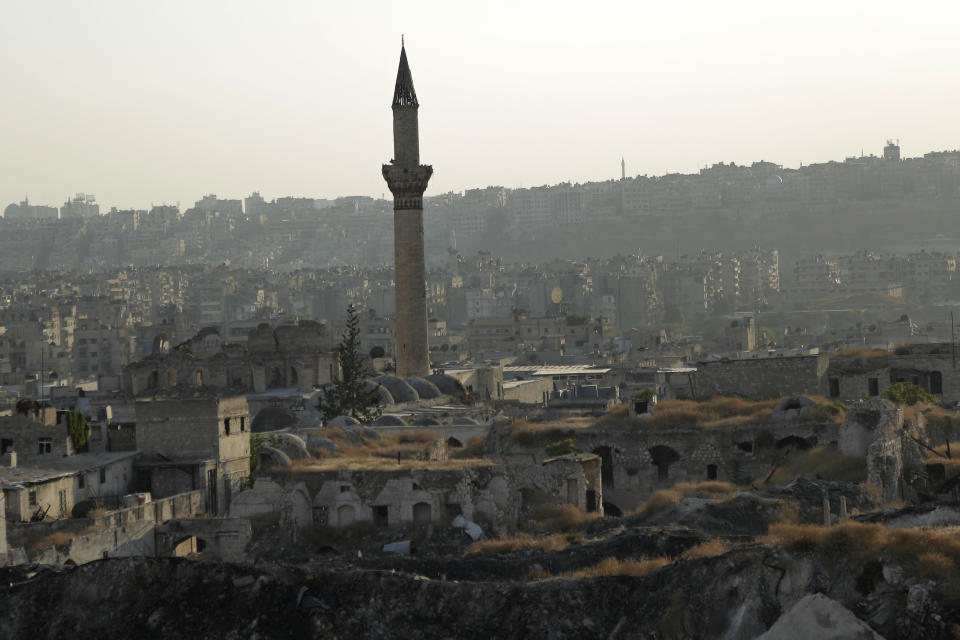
407, 180
892, 150
623, 168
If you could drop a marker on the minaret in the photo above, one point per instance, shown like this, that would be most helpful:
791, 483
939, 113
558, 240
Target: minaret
407, 180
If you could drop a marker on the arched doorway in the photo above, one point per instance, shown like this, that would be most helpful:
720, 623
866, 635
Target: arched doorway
345, 515
422, 514
662, 457
611, 510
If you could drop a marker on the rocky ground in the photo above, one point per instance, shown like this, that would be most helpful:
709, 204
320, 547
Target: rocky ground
741, 590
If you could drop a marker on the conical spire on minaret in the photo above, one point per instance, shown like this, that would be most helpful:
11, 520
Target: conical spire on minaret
403, 93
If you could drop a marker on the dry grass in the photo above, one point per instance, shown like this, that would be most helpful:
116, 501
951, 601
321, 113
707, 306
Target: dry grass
556, 542
56, 539
615, 567
561, 517
97, 512
720, 411
824, 462
923, 552
659, 501
472, 449
531, 433
708, 549
375, 463
667, 498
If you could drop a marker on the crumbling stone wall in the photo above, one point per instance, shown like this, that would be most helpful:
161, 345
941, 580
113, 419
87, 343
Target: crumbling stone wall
760, 378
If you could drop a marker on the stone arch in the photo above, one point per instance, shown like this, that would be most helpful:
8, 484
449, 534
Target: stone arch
377, 352
273, 419
171, 378
793, 442
422, 513
346, 515
294, 378
198, 378
611, 510
662, 457
70, 564
454, 443
153, 380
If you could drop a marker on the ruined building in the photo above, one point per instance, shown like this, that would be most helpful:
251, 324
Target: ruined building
407, 179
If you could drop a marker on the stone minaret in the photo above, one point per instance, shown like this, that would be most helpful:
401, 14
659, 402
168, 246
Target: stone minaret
407, 179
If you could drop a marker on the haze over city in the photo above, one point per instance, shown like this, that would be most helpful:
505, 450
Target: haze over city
622, 321
142, 103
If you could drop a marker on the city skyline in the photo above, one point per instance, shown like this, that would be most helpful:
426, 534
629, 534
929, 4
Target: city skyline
281, 102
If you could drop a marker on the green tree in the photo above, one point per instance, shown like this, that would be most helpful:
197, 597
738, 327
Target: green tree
907, 394
350, 395
79, 430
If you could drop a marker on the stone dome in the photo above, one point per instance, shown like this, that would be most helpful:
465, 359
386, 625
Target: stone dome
273, 419
343, 421
464, 421
426, 421
388, 421
424, 388
398, 388
448, 385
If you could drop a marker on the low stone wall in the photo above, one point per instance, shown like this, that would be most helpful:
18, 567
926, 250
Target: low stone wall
183, 505
122, 533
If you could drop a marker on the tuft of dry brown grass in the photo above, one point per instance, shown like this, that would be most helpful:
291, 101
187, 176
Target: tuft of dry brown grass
924, 553
666, 498
55, 539
611, 566
472, 449
374, 463
556, 542
708, 549
824, 462
561, 517
530, 433
97, 512
720, 411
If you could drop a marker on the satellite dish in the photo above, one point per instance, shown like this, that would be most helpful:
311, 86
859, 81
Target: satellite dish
556, 295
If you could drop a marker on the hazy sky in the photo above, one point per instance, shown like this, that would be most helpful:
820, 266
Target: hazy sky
149, 102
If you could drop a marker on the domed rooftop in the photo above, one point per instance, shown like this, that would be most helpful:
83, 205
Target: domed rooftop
448, 385
426, 421
398, 388
773, 181
424, 388
343, 421
386, 398
273, 419
388, 421
464, 421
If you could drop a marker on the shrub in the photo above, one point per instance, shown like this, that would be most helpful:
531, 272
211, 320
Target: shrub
824, 462
556, 542
907, 394
659, 501
561, 517
615, 567
707, 549
561, 448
